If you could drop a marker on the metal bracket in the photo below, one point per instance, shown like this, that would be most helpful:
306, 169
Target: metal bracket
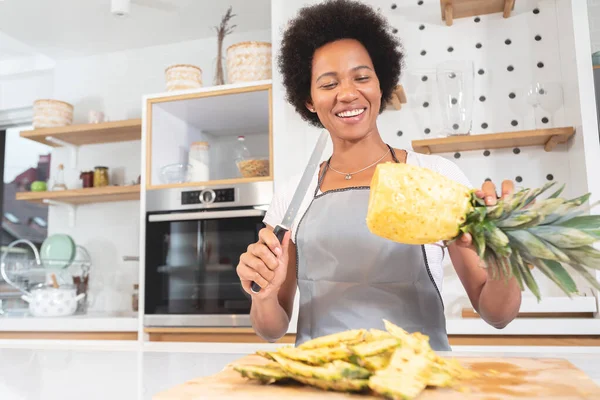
70, 207
72, 147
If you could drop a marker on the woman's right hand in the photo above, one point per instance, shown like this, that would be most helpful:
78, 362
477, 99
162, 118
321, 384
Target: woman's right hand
265, 262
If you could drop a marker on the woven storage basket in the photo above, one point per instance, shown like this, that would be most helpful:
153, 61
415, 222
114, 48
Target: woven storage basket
48, 113
183, 76
248, 62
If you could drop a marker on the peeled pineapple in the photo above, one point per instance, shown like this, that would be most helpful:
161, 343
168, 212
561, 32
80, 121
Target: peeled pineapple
414, 205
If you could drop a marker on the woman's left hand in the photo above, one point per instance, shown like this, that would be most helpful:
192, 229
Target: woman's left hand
489, 195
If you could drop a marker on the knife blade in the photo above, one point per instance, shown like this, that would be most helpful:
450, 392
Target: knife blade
301, 189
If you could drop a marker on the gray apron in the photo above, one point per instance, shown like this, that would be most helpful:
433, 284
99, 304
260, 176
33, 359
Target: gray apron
349, 278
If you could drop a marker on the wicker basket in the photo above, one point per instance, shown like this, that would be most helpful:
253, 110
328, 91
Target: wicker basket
183, 76
248, 62
49, 113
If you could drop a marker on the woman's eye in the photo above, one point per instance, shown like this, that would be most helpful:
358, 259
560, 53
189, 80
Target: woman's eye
329, 85
362, 78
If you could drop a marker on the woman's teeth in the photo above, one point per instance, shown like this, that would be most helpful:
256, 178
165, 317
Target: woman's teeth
351, 113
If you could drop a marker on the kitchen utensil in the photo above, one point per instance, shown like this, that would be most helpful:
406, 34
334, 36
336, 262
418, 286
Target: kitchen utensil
58, 251
176, 173
301, 189
54, 281
510, 379
48, 301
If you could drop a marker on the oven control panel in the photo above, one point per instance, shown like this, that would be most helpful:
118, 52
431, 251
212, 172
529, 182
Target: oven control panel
208, 196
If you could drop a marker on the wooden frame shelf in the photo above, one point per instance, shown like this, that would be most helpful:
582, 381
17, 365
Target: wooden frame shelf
453, 9
398, 98
183, 106
548, 138
85, 134
103, 194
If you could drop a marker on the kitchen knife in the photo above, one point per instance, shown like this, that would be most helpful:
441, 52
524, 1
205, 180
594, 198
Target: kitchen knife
301, 189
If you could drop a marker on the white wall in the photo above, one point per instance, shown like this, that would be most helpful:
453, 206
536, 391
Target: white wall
531, 164
113, 83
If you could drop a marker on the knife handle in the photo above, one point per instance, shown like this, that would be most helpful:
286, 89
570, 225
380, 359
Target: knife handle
279, 231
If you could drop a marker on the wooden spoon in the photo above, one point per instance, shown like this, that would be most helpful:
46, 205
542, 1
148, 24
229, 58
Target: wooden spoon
54, 281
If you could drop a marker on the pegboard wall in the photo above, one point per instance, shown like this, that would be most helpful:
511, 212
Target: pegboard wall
508, 55
535, 44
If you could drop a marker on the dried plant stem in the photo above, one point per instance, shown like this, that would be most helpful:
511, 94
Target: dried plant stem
222, 31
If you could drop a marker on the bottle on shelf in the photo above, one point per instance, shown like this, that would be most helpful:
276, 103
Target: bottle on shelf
241, 152
59, 180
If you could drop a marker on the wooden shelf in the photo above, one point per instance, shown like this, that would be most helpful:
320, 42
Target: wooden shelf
453, 9
84, 134
548, 138
398, 98
84, 196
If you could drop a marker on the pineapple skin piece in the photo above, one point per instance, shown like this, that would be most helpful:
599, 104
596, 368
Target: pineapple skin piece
264, 373
334, 339
342, 385
414, 205
316, 356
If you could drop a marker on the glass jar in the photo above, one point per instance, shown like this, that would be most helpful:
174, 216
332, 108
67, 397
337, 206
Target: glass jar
198, 158
87, 179
100, 176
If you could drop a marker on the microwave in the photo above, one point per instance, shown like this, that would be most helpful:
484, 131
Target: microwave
194, 239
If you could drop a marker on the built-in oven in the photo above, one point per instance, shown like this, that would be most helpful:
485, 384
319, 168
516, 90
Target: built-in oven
194, 239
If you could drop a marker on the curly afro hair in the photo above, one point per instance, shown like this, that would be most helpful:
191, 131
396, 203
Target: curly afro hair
332, 20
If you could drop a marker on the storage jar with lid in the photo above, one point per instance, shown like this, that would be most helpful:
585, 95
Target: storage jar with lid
198, 158
101, 176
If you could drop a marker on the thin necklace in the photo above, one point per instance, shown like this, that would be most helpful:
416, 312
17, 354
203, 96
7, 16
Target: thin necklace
348, 175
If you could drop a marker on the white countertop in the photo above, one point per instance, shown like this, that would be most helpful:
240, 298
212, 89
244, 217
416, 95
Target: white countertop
91, 322
120, 370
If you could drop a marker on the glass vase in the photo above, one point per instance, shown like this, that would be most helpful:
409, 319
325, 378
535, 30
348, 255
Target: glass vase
455, 92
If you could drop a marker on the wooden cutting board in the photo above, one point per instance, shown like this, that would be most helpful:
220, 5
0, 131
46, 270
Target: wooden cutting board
513, 378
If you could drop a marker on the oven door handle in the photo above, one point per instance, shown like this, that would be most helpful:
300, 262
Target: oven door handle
206, 215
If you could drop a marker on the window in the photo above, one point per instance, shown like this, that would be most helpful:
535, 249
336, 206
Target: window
11, 217
40, 221
23, 162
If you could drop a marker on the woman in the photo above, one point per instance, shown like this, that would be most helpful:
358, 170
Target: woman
340, 65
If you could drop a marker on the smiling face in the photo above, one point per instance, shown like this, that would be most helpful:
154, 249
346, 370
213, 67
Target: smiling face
345, 91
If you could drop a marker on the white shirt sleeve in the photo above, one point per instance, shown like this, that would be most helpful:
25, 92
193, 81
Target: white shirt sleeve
276, 209
281, 201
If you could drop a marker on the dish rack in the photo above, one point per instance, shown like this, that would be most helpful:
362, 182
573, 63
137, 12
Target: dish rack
23, 269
